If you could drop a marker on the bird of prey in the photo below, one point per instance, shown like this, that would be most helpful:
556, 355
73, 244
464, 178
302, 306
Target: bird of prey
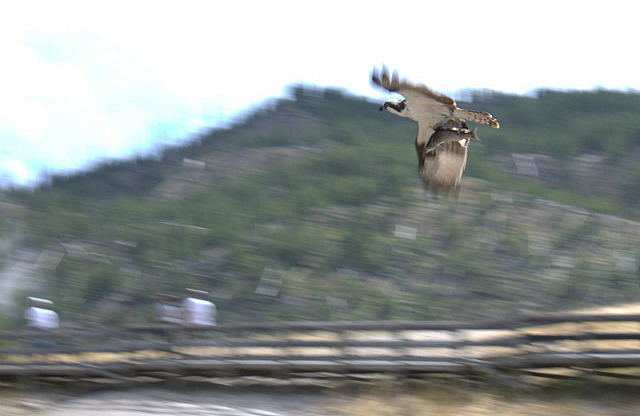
443, 135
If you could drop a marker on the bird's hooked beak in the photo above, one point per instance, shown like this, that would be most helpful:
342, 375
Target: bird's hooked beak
382, 107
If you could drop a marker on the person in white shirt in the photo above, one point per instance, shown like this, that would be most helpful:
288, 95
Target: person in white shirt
197, 309
40, 315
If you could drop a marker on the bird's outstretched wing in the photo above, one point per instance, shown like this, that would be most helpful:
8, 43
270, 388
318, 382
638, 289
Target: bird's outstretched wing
425, 105
393, 83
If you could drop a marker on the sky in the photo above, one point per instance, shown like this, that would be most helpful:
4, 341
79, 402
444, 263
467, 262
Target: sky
83, 82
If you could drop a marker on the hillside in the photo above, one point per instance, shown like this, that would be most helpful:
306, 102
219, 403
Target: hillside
311, 209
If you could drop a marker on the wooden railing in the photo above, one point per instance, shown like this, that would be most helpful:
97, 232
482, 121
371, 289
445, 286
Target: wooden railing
526, 344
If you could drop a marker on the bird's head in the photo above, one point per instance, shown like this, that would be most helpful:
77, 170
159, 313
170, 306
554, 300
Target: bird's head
394, 106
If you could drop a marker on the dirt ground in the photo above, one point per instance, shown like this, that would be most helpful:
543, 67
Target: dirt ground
163, 401
380, 398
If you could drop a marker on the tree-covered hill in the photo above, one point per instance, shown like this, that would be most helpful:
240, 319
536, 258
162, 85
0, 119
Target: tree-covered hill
311, 208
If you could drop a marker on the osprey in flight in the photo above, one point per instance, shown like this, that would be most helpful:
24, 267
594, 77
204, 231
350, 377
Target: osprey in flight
443, 135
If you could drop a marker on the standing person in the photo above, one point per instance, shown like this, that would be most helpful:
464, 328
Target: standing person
168, 309
40, 316
197, 309
32, 314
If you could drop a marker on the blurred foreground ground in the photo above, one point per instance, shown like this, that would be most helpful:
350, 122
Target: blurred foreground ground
439, 397
161, 401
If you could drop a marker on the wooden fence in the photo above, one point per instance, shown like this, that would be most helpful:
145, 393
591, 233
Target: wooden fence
535, 345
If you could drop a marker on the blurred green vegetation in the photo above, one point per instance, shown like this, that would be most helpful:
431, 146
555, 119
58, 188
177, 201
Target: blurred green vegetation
319, 188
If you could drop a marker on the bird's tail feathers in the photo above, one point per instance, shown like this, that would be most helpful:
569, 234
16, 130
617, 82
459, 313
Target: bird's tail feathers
481, 117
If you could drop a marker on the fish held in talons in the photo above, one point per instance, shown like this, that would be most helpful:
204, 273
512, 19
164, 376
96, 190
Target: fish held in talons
440, 136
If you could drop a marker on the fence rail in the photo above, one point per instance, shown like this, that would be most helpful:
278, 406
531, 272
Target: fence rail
523, 345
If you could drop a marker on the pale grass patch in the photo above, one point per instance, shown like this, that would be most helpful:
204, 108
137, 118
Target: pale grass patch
463, 399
